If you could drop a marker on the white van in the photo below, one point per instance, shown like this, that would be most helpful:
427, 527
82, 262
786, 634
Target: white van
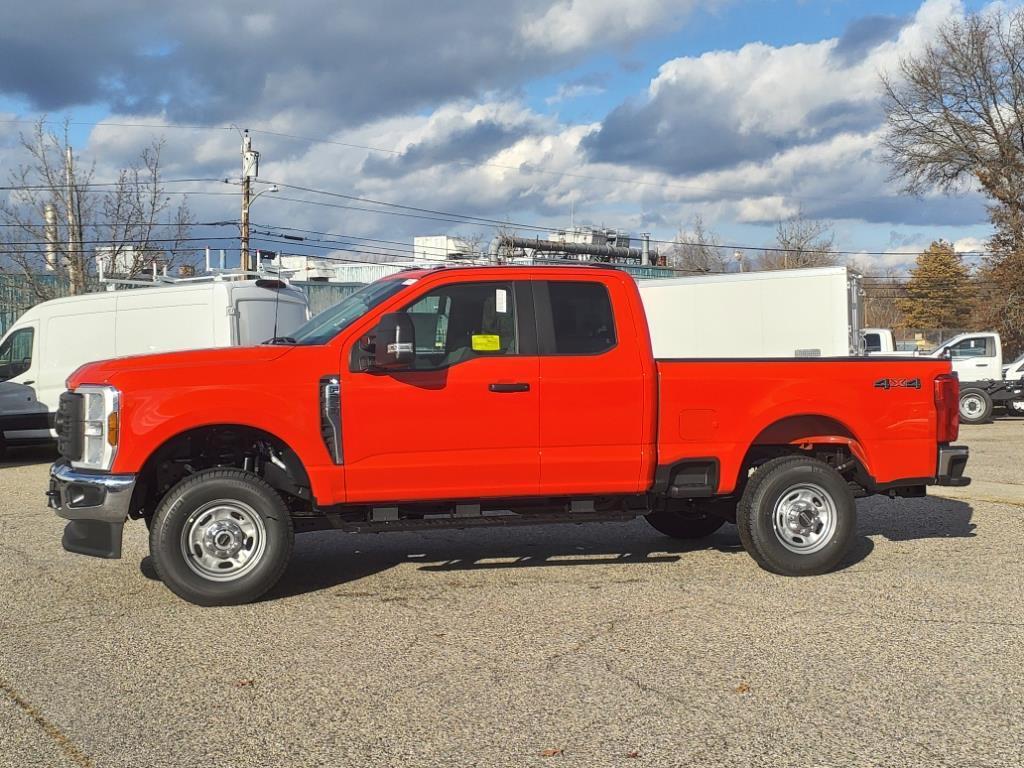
52, 339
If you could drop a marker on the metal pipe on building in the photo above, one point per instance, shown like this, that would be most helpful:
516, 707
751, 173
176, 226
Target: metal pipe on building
584, 249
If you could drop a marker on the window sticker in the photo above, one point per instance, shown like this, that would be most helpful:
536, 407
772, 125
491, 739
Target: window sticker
486, 342
501, 300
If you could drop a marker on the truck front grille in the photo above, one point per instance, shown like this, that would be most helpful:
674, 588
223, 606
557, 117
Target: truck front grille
69, 426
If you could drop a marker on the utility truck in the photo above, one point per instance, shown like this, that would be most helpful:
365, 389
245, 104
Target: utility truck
977, 359
49, 341
476, 396
811, 312
978, 362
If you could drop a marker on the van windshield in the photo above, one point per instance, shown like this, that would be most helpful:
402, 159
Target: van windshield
331, 322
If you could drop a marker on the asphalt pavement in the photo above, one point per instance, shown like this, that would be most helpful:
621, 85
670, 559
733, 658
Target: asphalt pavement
597, 645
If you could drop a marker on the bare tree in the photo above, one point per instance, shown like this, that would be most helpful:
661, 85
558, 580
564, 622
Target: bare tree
955, 119
60, 224
955, 112
697, 249
801, 242
880, 296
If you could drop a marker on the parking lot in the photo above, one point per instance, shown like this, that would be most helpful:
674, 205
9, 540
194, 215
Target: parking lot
562, 645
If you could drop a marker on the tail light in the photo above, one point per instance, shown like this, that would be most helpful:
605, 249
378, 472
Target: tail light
947, 407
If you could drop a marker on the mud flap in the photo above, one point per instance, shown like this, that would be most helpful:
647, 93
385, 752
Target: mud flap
95, 538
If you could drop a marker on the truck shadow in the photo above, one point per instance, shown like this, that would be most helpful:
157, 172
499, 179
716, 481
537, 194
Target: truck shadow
911, 519
28, 455
328, 559
324, 560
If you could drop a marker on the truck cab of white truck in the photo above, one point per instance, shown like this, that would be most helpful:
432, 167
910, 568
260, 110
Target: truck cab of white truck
975, 356
50, 340
977, 359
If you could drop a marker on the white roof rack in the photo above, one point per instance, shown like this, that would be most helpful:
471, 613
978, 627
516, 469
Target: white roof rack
159, 277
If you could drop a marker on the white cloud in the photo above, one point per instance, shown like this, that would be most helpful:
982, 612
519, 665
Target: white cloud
570, 25
570, 91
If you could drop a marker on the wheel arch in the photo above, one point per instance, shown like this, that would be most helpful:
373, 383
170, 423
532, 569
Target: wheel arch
812, 434
241, 446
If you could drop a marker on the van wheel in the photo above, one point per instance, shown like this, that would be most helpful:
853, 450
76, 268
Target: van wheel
221, 537
797, 516
700, 520
975, 406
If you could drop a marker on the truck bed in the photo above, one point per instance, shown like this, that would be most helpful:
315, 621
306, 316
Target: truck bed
882, 409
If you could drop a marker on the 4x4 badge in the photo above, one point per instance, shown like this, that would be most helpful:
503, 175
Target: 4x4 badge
896, 383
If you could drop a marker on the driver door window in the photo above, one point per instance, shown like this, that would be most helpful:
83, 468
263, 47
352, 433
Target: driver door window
16, 354
978, 347
462, 321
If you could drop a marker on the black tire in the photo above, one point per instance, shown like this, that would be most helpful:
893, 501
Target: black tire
248, 504
812, 488
702, 520
975, 406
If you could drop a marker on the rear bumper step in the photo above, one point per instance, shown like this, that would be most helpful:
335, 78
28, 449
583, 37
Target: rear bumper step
952, 463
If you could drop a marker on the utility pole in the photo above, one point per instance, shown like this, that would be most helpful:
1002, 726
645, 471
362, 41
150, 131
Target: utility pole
250, 170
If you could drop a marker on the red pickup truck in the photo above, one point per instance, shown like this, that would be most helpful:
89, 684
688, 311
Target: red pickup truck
459, 397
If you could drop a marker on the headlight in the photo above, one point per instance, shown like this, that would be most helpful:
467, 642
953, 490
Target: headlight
101, 414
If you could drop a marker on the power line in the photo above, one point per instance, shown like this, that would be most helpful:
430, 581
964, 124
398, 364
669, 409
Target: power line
498, 224
86, 184
15, 247
109, 222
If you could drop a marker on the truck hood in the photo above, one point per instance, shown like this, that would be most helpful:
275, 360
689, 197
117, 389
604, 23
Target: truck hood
103, 371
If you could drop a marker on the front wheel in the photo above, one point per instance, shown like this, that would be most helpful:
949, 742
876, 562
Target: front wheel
221, 537
797, 516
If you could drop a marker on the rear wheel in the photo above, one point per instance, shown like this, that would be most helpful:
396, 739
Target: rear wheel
975, 406
700, 519
221, 537
797, 516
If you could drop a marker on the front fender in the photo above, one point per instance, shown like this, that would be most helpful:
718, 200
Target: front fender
152, 417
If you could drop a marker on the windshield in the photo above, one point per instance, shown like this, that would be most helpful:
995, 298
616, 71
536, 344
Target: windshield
330, 322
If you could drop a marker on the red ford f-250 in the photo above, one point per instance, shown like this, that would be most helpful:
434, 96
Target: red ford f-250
485, 396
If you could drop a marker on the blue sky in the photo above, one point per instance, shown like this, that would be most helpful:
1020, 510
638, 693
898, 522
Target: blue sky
639, 115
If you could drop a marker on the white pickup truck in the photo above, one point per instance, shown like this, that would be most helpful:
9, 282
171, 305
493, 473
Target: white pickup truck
977, 359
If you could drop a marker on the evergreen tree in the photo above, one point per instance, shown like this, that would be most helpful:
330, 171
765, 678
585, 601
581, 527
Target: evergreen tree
939, 292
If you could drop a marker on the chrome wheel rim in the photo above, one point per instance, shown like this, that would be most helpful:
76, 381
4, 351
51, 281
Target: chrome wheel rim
971, 406
223, 540
804, 518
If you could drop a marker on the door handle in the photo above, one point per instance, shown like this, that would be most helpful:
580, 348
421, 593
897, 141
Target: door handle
520, 386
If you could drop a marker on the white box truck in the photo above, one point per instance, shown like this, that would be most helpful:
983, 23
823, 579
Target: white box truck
49, 341
783, 313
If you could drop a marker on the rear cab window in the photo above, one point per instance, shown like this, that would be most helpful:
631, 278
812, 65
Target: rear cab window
575, 318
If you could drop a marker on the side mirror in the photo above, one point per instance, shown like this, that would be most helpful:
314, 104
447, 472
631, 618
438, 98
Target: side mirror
395, 344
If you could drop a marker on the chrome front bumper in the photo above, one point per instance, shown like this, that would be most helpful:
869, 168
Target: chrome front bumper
96, 506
